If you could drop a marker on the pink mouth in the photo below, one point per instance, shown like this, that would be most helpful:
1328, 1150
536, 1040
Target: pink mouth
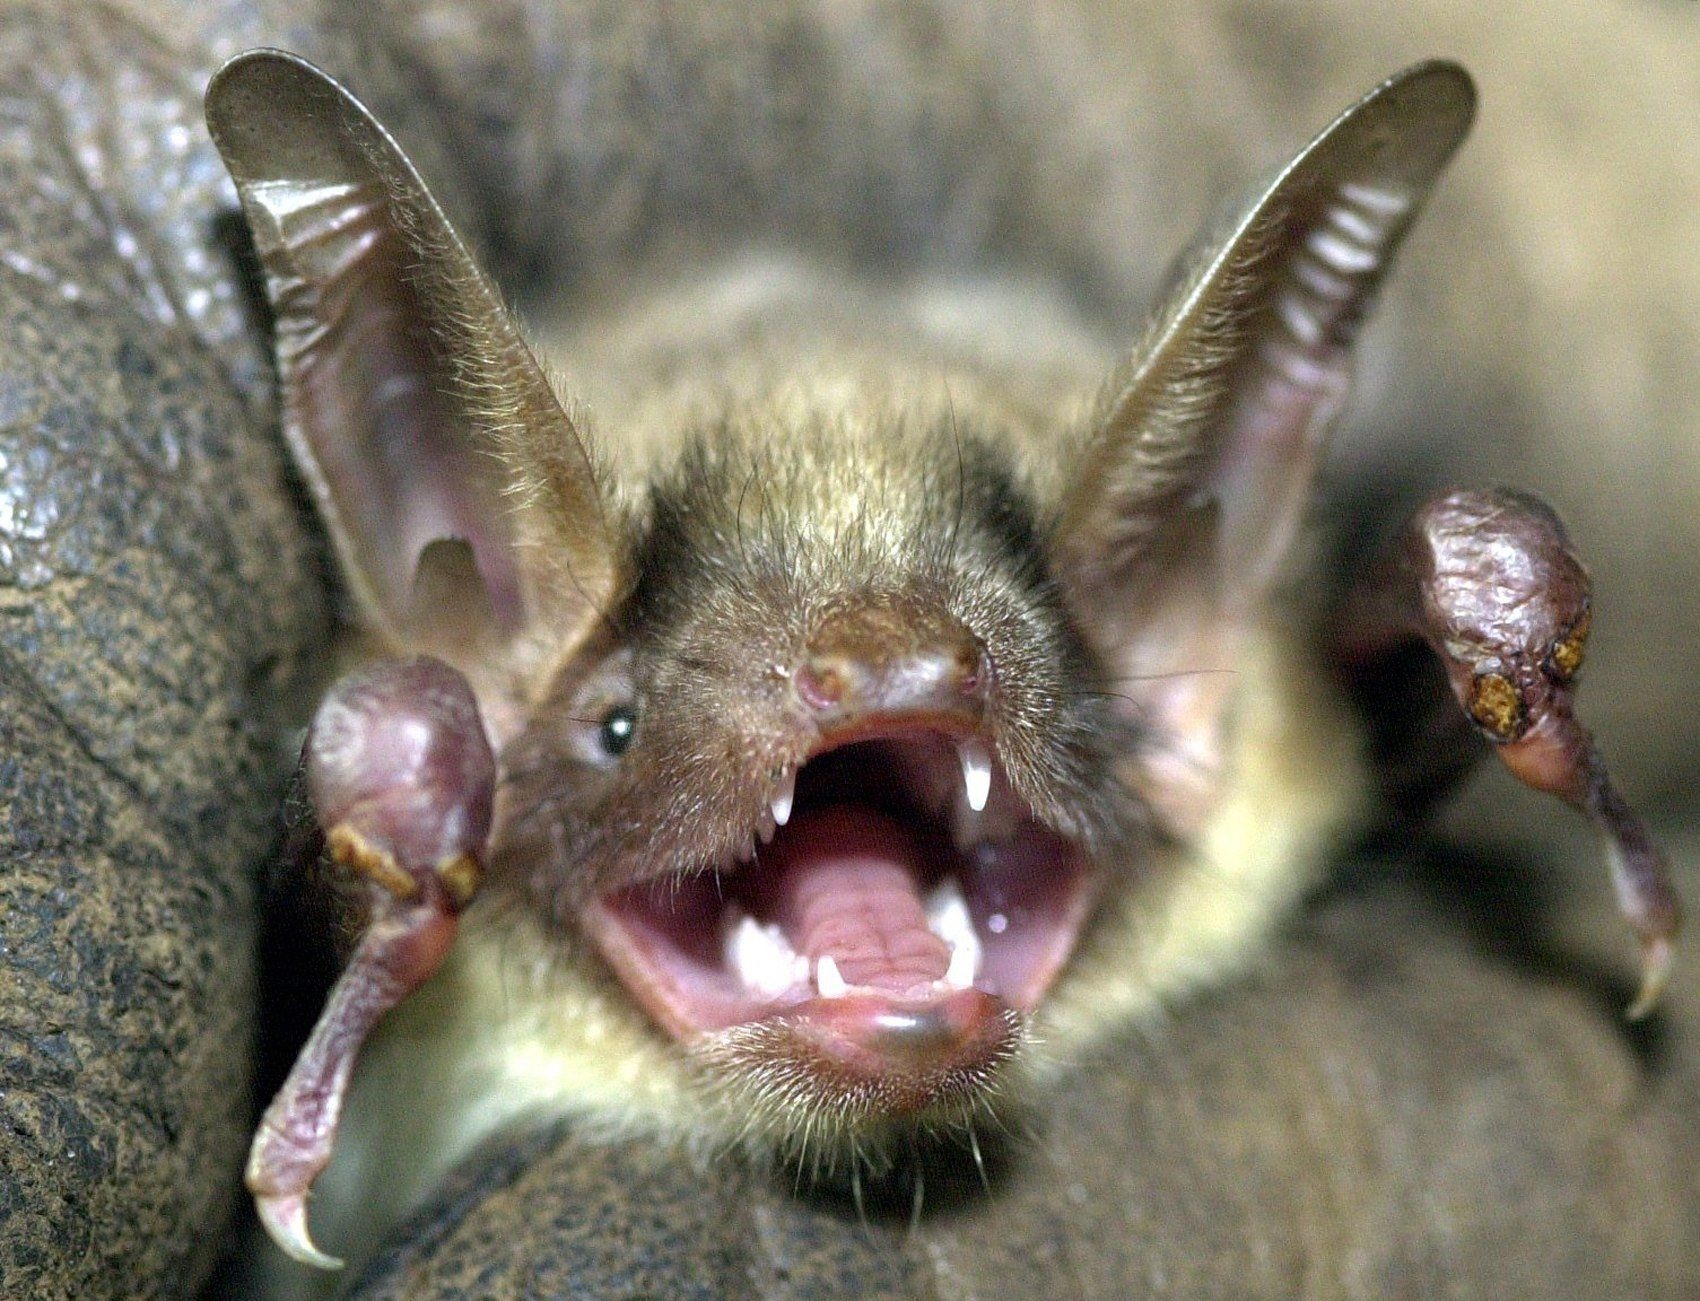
888, 930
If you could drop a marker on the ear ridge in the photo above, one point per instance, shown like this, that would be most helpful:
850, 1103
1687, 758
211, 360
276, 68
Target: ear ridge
1146, 440
1271, 297
414, 407
1197, 465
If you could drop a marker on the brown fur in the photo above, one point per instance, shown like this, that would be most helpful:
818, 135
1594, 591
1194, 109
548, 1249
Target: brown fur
789, 461
1550, 298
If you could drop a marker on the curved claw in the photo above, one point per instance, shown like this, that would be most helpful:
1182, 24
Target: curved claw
402, 778
1491, 582
404, 945
1557, 755
1657, 956
1645, 894
285, 1218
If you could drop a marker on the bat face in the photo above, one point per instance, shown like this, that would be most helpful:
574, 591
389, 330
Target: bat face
838, 804
864, 722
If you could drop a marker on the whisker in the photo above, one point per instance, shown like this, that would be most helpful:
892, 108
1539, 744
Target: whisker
979, 1158
1172, 673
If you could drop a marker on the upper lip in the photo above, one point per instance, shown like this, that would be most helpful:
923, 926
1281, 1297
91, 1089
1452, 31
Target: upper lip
976, 754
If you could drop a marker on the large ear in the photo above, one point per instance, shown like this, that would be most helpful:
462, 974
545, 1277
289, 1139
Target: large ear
455, 488
1202, 447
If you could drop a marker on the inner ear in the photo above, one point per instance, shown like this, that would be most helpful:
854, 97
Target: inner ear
413, 406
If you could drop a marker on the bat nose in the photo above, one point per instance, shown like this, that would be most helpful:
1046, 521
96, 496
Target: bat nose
884, 660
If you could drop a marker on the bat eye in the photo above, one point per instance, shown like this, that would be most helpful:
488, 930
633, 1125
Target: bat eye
618, 725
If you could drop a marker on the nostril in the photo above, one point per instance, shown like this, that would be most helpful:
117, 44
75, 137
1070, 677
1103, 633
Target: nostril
882, 658
973, 670
830, 682
821, 682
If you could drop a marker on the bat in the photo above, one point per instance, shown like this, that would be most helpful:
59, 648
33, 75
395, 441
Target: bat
884, 701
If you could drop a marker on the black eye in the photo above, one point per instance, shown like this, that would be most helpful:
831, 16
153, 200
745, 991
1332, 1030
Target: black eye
617, 727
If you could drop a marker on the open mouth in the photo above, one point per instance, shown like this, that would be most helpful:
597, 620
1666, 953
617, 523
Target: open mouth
896, 886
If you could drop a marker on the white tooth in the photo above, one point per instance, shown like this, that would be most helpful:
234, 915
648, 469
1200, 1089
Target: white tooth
947, 912
947, 918
964, 965
976, 773
827, 979
762, 957
765, 829
784, 797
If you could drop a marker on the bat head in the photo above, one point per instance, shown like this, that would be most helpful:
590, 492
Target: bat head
836, 731
840, 785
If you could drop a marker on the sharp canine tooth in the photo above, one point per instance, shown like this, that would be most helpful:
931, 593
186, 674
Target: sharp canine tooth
947, 918
762, 957
964, 965
947, 912
828, 981
784, 797
976, 772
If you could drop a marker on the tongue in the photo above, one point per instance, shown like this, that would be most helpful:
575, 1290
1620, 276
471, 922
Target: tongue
846, 883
